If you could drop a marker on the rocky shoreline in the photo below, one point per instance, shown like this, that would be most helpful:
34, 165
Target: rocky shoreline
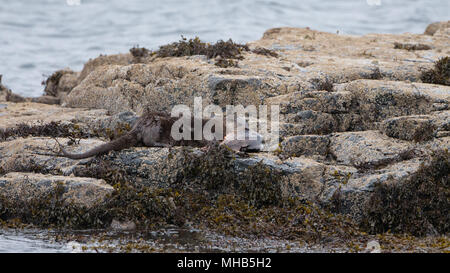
364, 126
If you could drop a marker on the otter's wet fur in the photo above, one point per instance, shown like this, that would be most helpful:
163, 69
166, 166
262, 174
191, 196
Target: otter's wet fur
153, 129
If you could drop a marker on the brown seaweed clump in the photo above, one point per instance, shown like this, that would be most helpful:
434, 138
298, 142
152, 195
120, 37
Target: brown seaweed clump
411, 47
323, 84
52, 129
295, 220
149, 208
53, 85
419, 206
440, 74
217, 173
58, 129
265, 52
140, 53
227, 50
225, 63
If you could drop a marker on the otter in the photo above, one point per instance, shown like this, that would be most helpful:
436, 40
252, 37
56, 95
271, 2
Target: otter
153, 129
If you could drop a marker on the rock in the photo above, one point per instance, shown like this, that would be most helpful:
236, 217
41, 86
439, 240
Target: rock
412, 128
36, 113
118, 85
356, 191
61, 82
368, 149
358, 105
3, 90
134, 86
434, 27
307, 145
118, 59
25, 187
46, 100
378, 100
441, 121
38, 155
123, 226
354, 115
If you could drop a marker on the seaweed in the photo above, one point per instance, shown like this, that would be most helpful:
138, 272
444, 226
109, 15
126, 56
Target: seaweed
265, 52
57, 129
418, 206
215, 193
145, 206
52, 82
225, 63
411, 47
140, 53
376, 74
439, 74
52, 129
224, 49
323, 84
217, 173
227, 52
295, 220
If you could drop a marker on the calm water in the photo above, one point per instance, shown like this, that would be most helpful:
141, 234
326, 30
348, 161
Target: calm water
40, 36
164, 240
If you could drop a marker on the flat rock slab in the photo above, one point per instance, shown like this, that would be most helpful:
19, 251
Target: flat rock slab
78, 191
367, 149
30, 113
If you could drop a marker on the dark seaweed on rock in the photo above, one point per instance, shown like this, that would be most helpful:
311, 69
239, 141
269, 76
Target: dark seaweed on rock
57, 129
323, 84
227, 50
420, 205
225, 63
411, 47
52, 82
439, 74
247, 203
139, 53
216, 173
295, 220
146, 206
52, 129
151, 208
265, 51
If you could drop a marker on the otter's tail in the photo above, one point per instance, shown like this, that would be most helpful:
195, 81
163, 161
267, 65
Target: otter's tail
126, 141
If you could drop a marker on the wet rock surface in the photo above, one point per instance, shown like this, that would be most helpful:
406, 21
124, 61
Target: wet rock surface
355, 117
78, 191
